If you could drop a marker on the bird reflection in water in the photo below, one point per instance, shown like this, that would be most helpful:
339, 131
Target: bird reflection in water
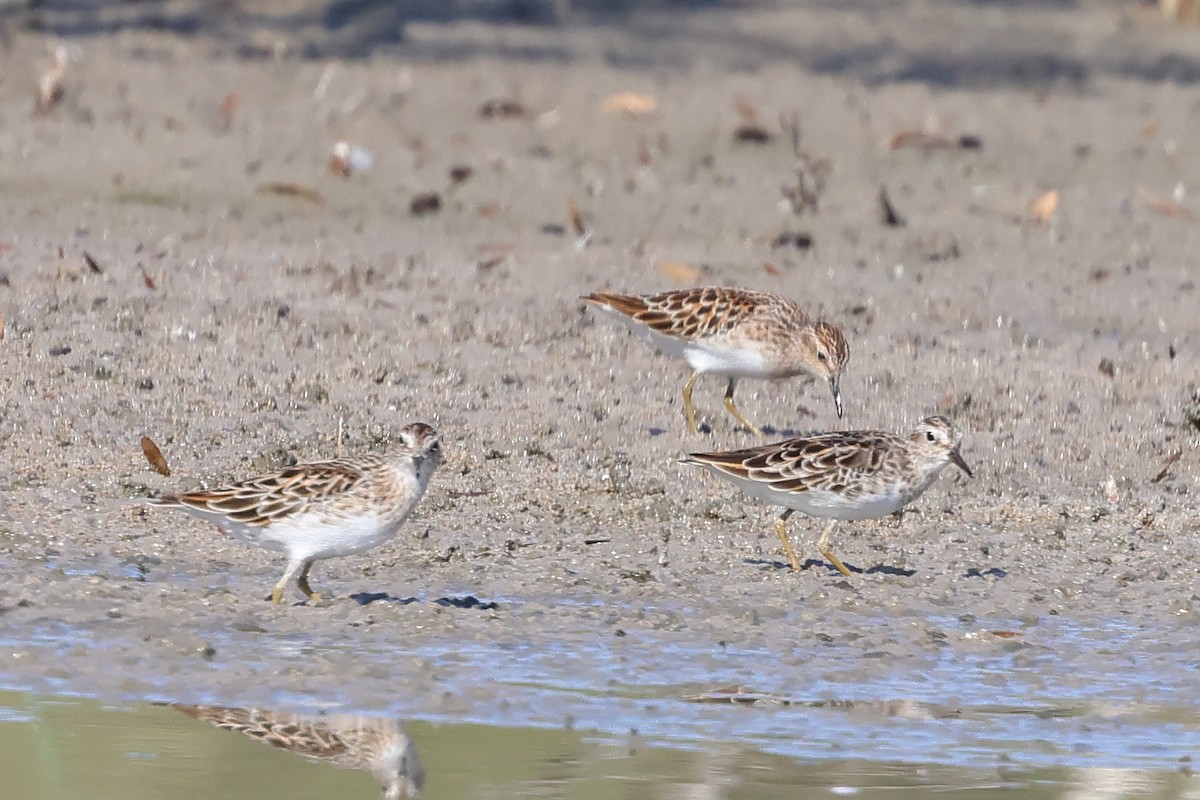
378, 745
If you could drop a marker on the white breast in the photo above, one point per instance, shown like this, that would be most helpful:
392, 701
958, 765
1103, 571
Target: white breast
315, 535
713, 355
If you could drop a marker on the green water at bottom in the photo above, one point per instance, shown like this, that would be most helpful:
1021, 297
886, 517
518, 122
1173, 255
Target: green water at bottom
58, 748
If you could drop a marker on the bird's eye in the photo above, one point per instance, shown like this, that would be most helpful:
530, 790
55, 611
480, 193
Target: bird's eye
822, 357
929, 436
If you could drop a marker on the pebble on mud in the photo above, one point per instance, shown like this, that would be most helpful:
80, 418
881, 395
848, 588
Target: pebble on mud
425, 203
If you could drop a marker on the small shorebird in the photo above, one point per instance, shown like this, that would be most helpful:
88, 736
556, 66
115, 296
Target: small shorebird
736, 333
322, 509
376, 744
843, 475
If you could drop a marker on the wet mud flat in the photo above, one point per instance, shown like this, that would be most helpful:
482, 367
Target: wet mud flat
156, 281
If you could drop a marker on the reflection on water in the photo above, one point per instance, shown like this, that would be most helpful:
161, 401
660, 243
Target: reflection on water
375, 744
70, 748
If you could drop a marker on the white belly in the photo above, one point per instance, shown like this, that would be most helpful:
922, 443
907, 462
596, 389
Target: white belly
705, 355
882, 500
317, 536
710, 356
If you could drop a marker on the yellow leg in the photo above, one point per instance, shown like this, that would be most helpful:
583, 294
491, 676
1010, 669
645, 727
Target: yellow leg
688, 409
302, 582
823, 549
783, 539
298, 570
733, 409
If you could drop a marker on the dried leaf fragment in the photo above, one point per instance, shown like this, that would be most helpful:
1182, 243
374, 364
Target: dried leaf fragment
886, 211
752, 133
92, 265
1171, 459
1043, 207
629, 103
678, 271
292, 190
576, 219
1, 325
146, 279
796, 239
487, 264
1168, 208
155, 456
913, 137
425, 203
496, 109
228, 110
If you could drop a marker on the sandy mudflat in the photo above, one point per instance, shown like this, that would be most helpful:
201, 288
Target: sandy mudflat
236, 328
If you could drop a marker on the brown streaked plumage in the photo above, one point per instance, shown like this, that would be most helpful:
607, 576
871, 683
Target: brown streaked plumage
842, 475
378, 745
737, 333
322, 509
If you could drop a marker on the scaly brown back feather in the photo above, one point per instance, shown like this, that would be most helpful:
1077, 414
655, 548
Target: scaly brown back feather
828, 461
261, 500
700, 312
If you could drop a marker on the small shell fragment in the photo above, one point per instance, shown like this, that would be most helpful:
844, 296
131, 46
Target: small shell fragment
347, 159
50, 84
1042, 209
629, 103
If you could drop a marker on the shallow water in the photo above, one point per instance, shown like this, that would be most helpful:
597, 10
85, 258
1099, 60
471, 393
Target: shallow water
68, 747
1056, 709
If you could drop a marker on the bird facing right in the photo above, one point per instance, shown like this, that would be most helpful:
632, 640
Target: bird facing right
380, 745
841, 475
322, 509
736, 333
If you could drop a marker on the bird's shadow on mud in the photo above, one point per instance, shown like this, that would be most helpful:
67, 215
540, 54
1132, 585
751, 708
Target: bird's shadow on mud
878, 569
991, 572
466, 601
818, 564
771, 432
